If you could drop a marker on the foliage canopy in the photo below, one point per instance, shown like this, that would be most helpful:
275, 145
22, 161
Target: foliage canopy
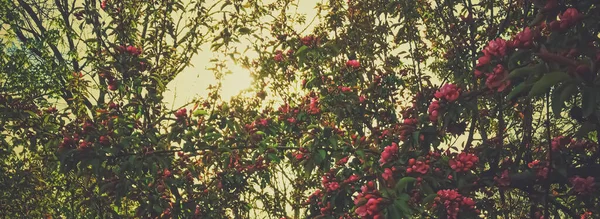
386, 109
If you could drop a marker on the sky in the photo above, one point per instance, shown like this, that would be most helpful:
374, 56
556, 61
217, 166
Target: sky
194, 81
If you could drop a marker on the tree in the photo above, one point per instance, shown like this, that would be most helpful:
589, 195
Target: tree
374, 101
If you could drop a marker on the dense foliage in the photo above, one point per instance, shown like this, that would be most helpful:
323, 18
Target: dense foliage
387, 109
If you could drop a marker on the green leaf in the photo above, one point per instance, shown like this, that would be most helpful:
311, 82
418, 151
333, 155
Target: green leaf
200, 112
179, 6
547, 81
538, 19
416, 135
274, 158
403, 197
105, 187
402, 204
556, 103
227, 3
427, 200
427, 188
402, 183
334, 142
95, 163
560, 95
308, 168
585, 128
322, 154
244, 30
588, 101
393, 212
562, 171
521, 88
301, 50
157, 208
360, 153
517, 57
524, 71
313, 126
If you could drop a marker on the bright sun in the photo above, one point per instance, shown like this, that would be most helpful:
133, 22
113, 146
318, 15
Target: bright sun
237, 81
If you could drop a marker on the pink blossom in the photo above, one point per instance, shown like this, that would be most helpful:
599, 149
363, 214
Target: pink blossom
468, 201
361, 99
133, 50
463, 162
342, 161
361, 211
478, 73
497, 79
449, 92
181, 113
333, 186
583, 185
496, 48
368, 202
388, 153
452, 202
523, 39
308, 40
420, 167
372, 205
103, 4
568, 18
541, 171
370, 208
533, 164
113, 85
325, 180
387, 174
586, 215
263, 122
559, 142
351, 179
410, 121
314, 106
344, 89
550, 5
166, 173
353, 64
278, 56
84, 144
315, 195
291, 120
504, 179
433, 111
299, 155
484, 60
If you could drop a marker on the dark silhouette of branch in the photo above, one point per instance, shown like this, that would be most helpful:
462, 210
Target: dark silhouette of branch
57, 54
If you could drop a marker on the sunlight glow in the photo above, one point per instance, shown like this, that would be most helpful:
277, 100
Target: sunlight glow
236, 82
